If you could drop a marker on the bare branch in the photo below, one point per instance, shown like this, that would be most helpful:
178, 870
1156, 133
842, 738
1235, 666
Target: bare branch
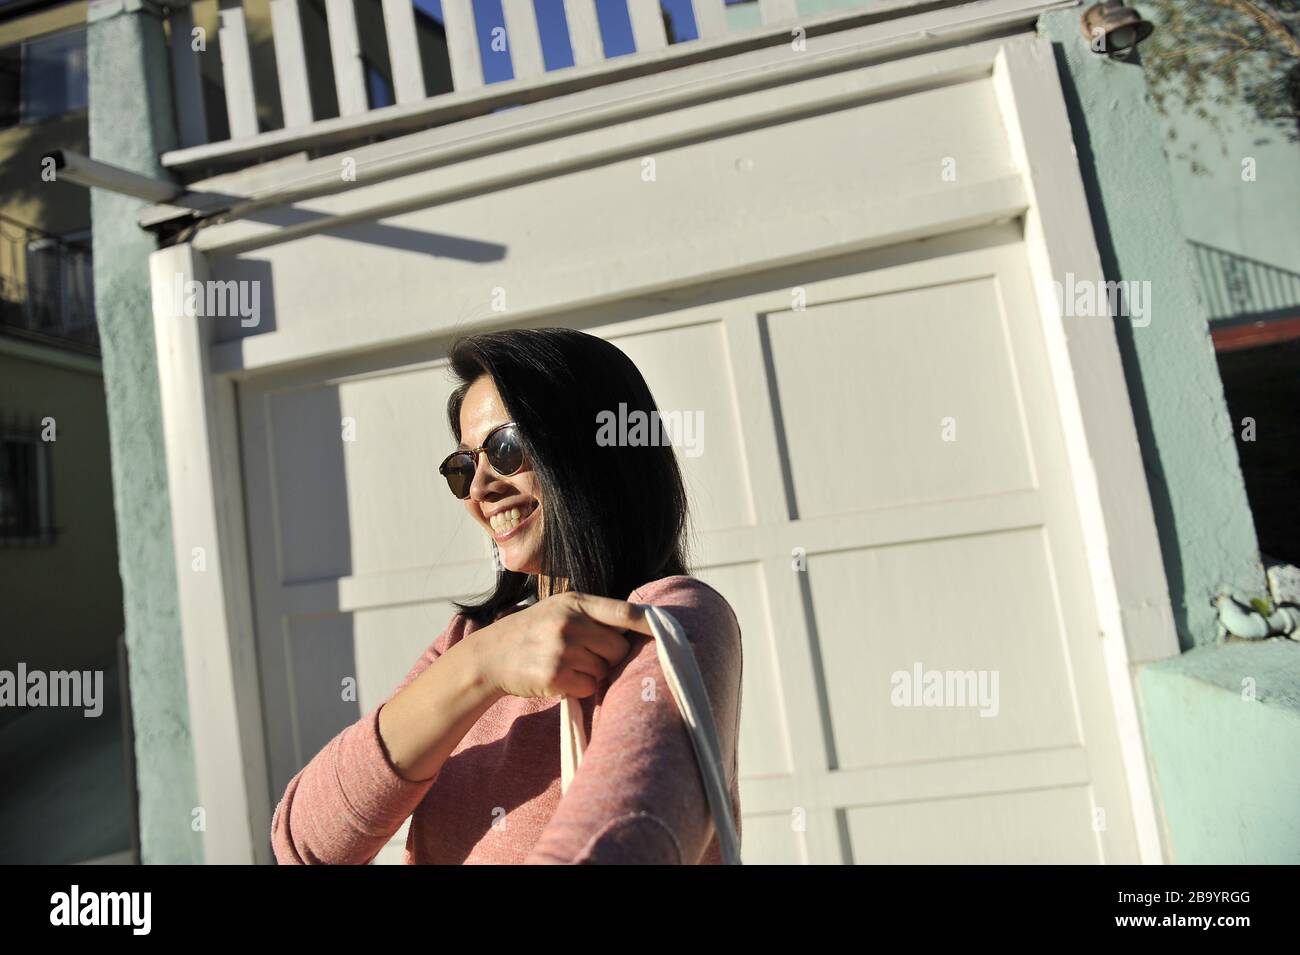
1269, 23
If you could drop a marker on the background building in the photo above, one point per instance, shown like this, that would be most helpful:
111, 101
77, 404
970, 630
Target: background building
62, 596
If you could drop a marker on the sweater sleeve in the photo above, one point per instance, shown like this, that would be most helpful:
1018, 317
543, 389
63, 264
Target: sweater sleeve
637, 796
346, 804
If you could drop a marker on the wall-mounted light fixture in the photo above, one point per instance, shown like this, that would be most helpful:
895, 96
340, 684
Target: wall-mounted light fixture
1114, 29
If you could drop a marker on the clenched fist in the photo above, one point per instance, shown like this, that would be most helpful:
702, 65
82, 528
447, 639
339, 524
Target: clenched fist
561, 646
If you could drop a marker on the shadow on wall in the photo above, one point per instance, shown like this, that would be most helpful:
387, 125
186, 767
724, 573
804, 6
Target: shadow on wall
1157, 482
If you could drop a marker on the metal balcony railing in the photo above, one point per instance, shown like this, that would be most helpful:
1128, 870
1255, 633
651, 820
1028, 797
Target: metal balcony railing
1239, 287
47, 284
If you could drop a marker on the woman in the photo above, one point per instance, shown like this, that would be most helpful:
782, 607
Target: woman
469, 743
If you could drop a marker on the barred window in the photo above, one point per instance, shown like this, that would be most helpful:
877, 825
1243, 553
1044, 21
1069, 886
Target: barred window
26, 505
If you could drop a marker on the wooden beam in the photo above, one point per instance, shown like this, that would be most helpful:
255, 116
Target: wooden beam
1256, 334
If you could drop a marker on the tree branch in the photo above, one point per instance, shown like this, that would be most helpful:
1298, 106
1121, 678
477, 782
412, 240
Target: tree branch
1267, 22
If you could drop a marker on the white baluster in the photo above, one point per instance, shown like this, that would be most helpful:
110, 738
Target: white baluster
523, 37
291, 63
404, 51
584, 32
462, 44
345, 51
237, 72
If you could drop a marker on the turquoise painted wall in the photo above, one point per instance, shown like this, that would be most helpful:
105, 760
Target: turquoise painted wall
130, 125
1223, 730
1202, 514
1220, 720
742, 16
1256, 218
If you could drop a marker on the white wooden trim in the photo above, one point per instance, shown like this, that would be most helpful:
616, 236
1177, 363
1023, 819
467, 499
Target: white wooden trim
291, 63
496, 163
1127, 572
647, 21
206, 492
237, 72
813, 236
992, 774
187, 80
345, 52
710, 18
462, 45
404, 51
891, 30
265, 184
523, 38
584, 32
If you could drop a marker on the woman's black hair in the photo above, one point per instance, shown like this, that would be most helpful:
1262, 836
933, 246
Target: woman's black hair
614, 515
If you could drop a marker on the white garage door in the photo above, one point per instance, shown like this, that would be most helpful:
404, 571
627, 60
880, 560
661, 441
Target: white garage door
882, 492
896, 426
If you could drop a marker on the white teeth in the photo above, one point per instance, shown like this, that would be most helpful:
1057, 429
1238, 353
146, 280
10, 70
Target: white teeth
507, 520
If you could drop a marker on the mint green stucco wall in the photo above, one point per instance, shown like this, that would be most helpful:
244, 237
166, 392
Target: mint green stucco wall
1223, 728
1202, 515
1257, 218
743, 16
130, 125
1223, 764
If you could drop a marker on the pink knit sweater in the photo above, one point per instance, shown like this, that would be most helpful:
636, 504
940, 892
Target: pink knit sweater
637, 796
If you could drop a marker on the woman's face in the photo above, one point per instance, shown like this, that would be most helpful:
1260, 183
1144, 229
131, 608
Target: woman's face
509, 507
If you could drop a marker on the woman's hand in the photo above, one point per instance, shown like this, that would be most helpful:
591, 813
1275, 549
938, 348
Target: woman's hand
561, 646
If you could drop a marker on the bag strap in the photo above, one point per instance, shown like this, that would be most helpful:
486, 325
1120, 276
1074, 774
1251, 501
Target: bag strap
686, 684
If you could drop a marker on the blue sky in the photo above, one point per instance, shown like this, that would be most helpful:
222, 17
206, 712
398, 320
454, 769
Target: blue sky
616, 30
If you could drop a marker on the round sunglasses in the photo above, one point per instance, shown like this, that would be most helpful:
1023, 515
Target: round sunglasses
505, 453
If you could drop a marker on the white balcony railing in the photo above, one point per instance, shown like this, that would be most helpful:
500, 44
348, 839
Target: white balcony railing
395, 45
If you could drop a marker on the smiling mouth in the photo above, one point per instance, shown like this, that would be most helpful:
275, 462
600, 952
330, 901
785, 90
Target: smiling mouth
507, 524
